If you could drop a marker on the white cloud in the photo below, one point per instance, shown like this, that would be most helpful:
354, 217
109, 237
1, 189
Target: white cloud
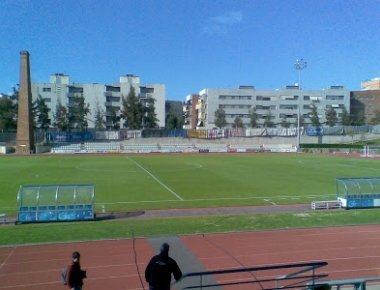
219, 24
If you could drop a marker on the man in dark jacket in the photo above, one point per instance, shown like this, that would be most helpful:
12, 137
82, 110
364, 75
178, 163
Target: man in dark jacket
159, 271
75, 274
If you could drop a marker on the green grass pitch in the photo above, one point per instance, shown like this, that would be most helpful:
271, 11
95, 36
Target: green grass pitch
142, 182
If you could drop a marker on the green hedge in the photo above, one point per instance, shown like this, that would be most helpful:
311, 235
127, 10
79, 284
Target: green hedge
327, 146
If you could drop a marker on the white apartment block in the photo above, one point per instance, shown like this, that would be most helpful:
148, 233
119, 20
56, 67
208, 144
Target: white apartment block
283, 103
108, 97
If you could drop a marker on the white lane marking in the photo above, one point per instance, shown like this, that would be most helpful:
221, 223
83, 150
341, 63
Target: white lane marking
155, 178
6, 259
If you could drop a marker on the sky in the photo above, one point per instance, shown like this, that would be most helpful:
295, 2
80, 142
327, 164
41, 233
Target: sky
189, 45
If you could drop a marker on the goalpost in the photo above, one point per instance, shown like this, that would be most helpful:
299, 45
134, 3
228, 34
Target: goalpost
370, 151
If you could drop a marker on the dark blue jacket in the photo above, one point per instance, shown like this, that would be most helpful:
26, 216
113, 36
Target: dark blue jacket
159, 270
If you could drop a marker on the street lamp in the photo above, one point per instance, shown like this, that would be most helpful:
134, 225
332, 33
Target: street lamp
299, 65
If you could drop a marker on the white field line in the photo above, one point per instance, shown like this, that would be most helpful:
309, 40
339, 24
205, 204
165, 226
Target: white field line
269, 201
215, 199
155, 178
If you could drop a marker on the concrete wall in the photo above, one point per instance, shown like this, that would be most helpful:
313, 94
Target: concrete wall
42, 149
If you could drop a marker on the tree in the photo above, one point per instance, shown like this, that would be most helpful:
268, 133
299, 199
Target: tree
350, 131
149, 114
285, 123
41, 112
331, 117
302, 122
346, 118
61, 120
360, 119
220, 118
314, 116
268, 123
131, 110
99, 117
80, 112
115, 119
253, 118
7, 113
376, 118
171, 121
238, 123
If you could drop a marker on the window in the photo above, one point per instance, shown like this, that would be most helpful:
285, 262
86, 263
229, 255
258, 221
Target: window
74, 90
334, 98
288, 116
306, 98
229, 97
289, 98
261, 98
335, 106
370, 98
48, 100
288, 107
46, 89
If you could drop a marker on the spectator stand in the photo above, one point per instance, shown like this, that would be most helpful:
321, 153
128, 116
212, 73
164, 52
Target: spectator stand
55, 203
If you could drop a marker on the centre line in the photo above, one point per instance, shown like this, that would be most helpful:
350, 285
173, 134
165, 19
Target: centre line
155, 178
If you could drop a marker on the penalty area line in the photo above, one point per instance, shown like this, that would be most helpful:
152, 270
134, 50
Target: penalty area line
155, 178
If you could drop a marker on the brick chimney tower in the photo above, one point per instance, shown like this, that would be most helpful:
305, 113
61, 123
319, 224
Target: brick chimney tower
25, 134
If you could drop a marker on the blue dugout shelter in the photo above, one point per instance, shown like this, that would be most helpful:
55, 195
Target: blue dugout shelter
52, 203
358, 192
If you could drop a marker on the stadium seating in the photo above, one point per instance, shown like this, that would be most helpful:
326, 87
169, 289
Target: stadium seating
101, 147
175, 148
140, 148
212, 148
65, 147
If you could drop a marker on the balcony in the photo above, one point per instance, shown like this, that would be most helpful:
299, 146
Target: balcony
112, 104
74, 95
112, 94
145, 95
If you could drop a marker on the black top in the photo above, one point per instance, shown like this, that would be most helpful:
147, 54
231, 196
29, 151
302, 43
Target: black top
159, 270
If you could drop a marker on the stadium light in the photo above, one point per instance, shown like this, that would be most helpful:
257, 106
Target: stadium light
299, 65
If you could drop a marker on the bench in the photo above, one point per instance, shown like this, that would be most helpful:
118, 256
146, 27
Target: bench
3, 216
330, 204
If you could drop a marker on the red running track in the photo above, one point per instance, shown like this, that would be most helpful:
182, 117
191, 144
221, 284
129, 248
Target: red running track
351, 252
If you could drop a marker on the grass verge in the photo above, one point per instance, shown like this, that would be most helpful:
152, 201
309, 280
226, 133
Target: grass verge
116, 229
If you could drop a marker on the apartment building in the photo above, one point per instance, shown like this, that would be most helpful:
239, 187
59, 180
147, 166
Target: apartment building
372, 84
365, 101
190, 112
286, 103
109, 97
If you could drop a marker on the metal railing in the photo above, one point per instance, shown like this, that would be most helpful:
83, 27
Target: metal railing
305, 277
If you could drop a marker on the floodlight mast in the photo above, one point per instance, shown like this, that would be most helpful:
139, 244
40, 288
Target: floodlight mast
299, 65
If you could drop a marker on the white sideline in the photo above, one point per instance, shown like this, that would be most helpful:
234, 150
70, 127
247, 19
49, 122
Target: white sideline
155, 178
